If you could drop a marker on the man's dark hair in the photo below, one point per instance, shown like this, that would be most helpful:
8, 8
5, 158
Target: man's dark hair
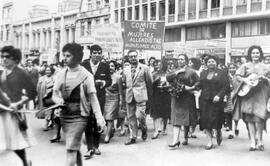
95, 47
14, 53
75, 49
196, 63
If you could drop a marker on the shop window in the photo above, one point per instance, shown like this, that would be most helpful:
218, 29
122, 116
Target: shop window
172, 35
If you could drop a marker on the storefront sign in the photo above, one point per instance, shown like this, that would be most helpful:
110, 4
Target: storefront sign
109, 37
143, 35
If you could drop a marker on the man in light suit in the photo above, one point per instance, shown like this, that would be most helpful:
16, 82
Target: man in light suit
138, 81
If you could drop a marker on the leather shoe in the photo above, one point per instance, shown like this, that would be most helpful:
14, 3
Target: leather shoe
252, 149
185, 142
97, 151
89, 154
130, 141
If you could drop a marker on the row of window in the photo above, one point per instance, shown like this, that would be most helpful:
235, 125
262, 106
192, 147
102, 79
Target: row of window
89, 26
215, 31
171, 8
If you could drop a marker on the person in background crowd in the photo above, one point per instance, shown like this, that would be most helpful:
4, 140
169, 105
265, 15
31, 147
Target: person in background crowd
13, 81
102, 78
122, 120
253, 105
138, 80
228, 102
161, 105
113, 101
151, 65
32, 71
75, 88
44, 88
214, 84
267, 59
183, 81
195, 64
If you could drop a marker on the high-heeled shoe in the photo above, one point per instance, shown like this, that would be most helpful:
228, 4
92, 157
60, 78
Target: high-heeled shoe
174, 145
107, 140
155, 136
209, 147
57, 139
261, 147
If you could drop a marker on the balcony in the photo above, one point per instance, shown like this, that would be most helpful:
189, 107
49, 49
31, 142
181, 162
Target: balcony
181, 17
171, 18
256, 7
227, 11
215, 12
240, 9
161, 18
192, 15
268, 5
153, 18
95, 13
203, 13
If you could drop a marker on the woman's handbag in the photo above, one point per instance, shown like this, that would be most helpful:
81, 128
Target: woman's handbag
22, 122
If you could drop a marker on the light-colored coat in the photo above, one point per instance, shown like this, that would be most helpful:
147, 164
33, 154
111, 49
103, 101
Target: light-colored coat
139, 87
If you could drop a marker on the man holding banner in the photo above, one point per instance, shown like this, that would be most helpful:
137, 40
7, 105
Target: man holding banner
138, 80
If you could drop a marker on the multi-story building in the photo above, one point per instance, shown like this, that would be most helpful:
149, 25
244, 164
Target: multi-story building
41, 31
223, 27
6, 23
92, 12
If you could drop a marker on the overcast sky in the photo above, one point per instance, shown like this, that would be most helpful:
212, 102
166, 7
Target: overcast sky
23, 6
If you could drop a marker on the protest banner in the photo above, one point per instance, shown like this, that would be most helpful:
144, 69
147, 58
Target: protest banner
109, 37
144, 35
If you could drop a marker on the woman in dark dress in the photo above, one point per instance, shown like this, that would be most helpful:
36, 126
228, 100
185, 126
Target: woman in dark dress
75, 88
183, 81
161, 101
214, 85
13, 82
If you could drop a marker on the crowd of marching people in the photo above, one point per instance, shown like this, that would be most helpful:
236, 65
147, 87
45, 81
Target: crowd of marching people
97, 97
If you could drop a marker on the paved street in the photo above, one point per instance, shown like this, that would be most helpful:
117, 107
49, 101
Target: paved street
149, 153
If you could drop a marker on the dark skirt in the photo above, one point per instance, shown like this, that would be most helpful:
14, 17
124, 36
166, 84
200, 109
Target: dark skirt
161, 105
211, 114
111, 108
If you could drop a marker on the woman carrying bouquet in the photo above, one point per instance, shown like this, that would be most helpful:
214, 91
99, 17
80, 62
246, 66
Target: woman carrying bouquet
183, 81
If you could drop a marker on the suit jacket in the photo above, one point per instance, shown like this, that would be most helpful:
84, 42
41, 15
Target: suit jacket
217, 86
139, 87
102, 73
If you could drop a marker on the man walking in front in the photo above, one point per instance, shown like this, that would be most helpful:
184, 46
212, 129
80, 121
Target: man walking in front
138, 80
102, 78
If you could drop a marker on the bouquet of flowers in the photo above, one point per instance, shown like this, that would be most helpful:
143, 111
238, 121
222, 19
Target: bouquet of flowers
177, 88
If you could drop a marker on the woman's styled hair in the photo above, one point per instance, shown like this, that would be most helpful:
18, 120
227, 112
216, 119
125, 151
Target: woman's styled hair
75, 49
115, 64
51, 68
251, 48
14, 53
196, 63
212, 57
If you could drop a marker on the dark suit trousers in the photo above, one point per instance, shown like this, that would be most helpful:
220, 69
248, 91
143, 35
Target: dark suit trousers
91, 132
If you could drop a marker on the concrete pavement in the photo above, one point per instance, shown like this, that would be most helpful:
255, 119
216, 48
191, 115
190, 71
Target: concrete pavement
147, 153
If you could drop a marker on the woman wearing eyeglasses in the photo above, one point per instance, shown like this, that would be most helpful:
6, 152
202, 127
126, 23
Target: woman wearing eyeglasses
13, 81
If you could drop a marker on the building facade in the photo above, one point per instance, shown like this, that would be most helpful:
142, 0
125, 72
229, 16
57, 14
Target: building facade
92, 13
223, 27
41, 31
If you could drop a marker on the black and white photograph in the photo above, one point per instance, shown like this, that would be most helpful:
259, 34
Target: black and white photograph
134, 82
